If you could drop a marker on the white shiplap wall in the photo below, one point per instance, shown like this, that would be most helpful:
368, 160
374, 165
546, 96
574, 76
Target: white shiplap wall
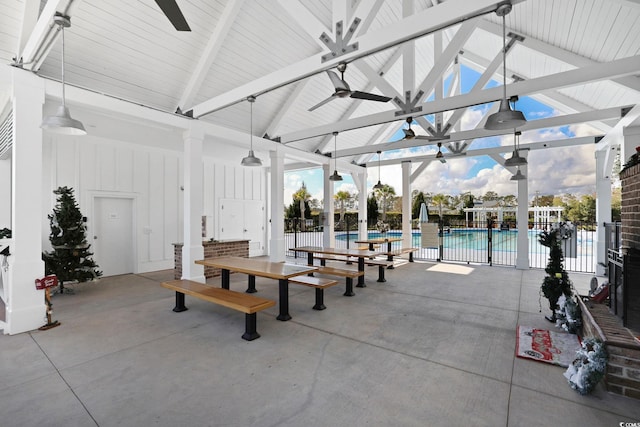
96, 166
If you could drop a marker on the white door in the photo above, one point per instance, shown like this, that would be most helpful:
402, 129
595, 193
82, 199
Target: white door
113, 235
231, 219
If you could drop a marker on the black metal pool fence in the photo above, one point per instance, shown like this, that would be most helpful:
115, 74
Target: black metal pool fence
478, 242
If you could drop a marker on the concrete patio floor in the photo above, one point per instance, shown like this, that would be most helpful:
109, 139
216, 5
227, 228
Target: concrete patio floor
433, 346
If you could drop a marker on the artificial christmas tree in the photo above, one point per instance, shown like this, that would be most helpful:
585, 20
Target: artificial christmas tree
70, 259
557, 282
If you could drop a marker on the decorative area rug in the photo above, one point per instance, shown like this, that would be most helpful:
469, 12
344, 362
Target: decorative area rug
556, 348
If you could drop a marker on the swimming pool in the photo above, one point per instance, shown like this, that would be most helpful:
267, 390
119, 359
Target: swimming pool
468, 238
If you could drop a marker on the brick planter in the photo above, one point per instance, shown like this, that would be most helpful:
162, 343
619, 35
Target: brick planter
623, 369
212, 250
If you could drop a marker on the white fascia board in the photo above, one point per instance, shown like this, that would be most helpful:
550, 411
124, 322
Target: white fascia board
426, 22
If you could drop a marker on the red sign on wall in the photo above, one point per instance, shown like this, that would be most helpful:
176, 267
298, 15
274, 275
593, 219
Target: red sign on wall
47, 282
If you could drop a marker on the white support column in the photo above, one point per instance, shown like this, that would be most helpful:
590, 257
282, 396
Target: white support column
328, 235
360, 179
603, 210
522, 217
407, 241
192, 248
25, 308
277, 249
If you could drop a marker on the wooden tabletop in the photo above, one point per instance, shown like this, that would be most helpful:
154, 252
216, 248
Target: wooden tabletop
380, 240
257, 267
337, 251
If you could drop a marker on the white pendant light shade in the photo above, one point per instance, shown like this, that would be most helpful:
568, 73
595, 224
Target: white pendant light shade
505, 118
518, 176
335, 177
61, 122
516, 159
251, 159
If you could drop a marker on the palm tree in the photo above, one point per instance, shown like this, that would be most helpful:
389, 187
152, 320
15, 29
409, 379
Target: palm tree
384, 194
302, 196
440, 200
342, 197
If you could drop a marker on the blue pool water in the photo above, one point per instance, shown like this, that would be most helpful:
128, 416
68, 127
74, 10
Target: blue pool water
463, 239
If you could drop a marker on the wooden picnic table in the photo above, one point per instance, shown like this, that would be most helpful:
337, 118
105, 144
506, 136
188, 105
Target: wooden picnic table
279, 271
361, 254
379, 241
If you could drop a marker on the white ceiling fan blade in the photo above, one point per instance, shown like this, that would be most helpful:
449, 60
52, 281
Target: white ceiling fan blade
321, 103
338, 83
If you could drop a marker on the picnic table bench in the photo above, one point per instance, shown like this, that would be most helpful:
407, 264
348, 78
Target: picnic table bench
240, 301
398, 252
319, 283
349, 275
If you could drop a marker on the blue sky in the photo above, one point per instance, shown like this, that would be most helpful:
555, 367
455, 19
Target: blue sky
554, 171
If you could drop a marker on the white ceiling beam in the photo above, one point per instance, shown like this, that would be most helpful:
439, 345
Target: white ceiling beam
560, 54
615, 136
367, 10
29, 20
418, 171
408, 54
448, 55
418, 25
553, 99
558, 143
42, 37
210, 52
284, 109
546, 123
602, 71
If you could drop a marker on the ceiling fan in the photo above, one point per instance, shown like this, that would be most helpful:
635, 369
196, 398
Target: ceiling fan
342, 89
173, 13
410, 134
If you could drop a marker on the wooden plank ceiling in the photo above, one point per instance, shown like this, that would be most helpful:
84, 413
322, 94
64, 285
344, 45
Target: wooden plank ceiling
129, 50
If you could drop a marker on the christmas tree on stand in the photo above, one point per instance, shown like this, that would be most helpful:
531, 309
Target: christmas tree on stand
70, 259
557, 282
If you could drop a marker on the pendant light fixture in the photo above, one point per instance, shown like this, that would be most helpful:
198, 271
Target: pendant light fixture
336, 176
518, 176
62, 122
379, 184
251, 159
516, 159
505, 118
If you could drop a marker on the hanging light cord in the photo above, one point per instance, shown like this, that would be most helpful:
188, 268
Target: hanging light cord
251, 100
504, 57
61, 28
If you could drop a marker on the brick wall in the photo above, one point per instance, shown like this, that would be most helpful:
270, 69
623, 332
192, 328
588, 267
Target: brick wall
631, 207
211, 250
623, 369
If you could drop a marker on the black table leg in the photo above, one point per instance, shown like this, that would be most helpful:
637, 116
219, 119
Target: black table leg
349, 291
179, 303
252, 285
310, 261
224, 277
370, 246
319, 299
283, 287
250, 329
381, 274
361, 278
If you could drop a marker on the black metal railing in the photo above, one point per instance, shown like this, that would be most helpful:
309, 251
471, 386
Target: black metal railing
480, 242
